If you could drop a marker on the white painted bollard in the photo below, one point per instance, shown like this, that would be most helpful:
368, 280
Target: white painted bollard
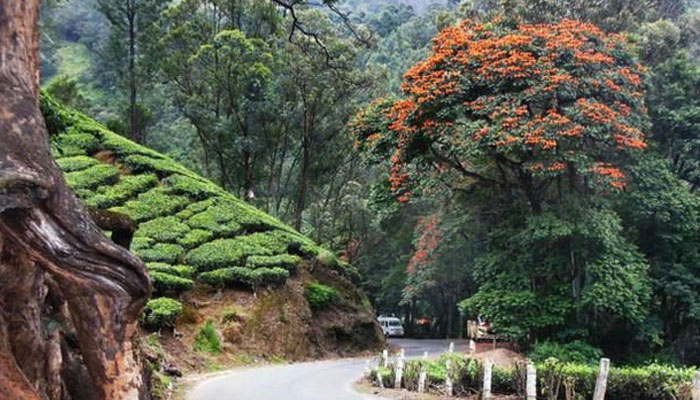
379, 378
399, 369
601, 383
696, 386
423, 375
488, 370
448, 378
472, 348
531, 382
385, 358
452, 347
368, 368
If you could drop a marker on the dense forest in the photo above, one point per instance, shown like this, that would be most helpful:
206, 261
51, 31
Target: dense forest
535, 163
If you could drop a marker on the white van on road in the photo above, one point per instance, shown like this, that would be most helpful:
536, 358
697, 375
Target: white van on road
391, 326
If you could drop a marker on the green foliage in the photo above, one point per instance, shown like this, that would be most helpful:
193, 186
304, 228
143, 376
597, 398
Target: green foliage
128, 187
207, 340
197, 189
65, 90
652, 382
221, 253
573, 352
157, 202
183, 271
76, 163
287, 261
73, 143
235, 276
165, 283
160, 252
158, 165
161, 312
124, 148
321, 296
213, 220
164, 229
92, 177
195, 237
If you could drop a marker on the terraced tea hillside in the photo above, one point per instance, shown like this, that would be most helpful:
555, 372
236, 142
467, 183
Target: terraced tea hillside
191, 234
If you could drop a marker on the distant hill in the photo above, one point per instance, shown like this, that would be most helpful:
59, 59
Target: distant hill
357, 6
213, 252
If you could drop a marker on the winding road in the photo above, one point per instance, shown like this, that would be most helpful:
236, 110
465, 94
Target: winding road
321, 380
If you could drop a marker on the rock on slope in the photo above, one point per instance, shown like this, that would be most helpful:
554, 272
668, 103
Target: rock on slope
227, 262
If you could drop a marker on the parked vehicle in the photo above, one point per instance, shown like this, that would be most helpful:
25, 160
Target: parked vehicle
391, 326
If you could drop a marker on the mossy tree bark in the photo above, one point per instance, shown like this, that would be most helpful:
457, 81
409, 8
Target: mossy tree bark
69, 297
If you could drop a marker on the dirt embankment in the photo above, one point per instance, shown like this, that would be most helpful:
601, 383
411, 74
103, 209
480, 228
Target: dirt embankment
273, 325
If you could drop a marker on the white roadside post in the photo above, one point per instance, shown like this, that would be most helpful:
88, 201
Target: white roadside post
399, 369
488, 369
531, 385
472, 348
368, 368
423, 374
601, 383
452, 347
448, 378
385, 358
696, 386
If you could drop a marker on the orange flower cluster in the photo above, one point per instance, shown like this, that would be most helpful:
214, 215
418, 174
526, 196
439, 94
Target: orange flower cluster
615, 176
597, 112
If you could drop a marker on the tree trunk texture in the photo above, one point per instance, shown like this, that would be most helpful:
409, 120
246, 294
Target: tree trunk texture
69, 297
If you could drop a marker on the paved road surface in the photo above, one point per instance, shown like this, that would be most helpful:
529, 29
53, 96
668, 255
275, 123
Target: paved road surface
322, 380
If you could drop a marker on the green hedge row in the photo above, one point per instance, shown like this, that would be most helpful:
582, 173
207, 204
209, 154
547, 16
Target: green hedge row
91, 178
164, 229
652, 382
165, 283
76, 163
183, 271
127, 188
227, 277
289, 262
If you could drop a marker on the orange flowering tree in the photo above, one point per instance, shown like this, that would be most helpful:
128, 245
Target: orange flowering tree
533, 123
514, 108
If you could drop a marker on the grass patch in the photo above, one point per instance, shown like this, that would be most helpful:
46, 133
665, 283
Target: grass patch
207, 340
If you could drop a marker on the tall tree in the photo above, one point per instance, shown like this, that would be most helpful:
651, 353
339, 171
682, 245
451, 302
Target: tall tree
129, 21
55, 263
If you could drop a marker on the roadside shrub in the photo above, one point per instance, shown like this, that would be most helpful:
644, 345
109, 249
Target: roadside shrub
207, 340
244, 276
574, 352
160, 313
76, 163
157, 202
166, 283
652, 382
164, 229
195, 237
127, 188
320, 296
287, 261
183, 271
90, 178
160, 252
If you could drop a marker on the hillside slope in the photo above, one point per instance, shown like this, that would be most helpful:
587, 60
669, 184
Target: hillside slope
227, 262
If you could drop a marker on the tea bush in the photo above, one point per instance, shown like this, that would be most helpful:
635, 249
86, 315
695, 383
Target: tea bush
321, 296
160, 313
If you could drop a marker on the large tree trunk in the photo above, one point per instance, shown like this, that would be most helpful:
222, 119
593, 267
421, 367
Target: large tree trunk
69, 297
